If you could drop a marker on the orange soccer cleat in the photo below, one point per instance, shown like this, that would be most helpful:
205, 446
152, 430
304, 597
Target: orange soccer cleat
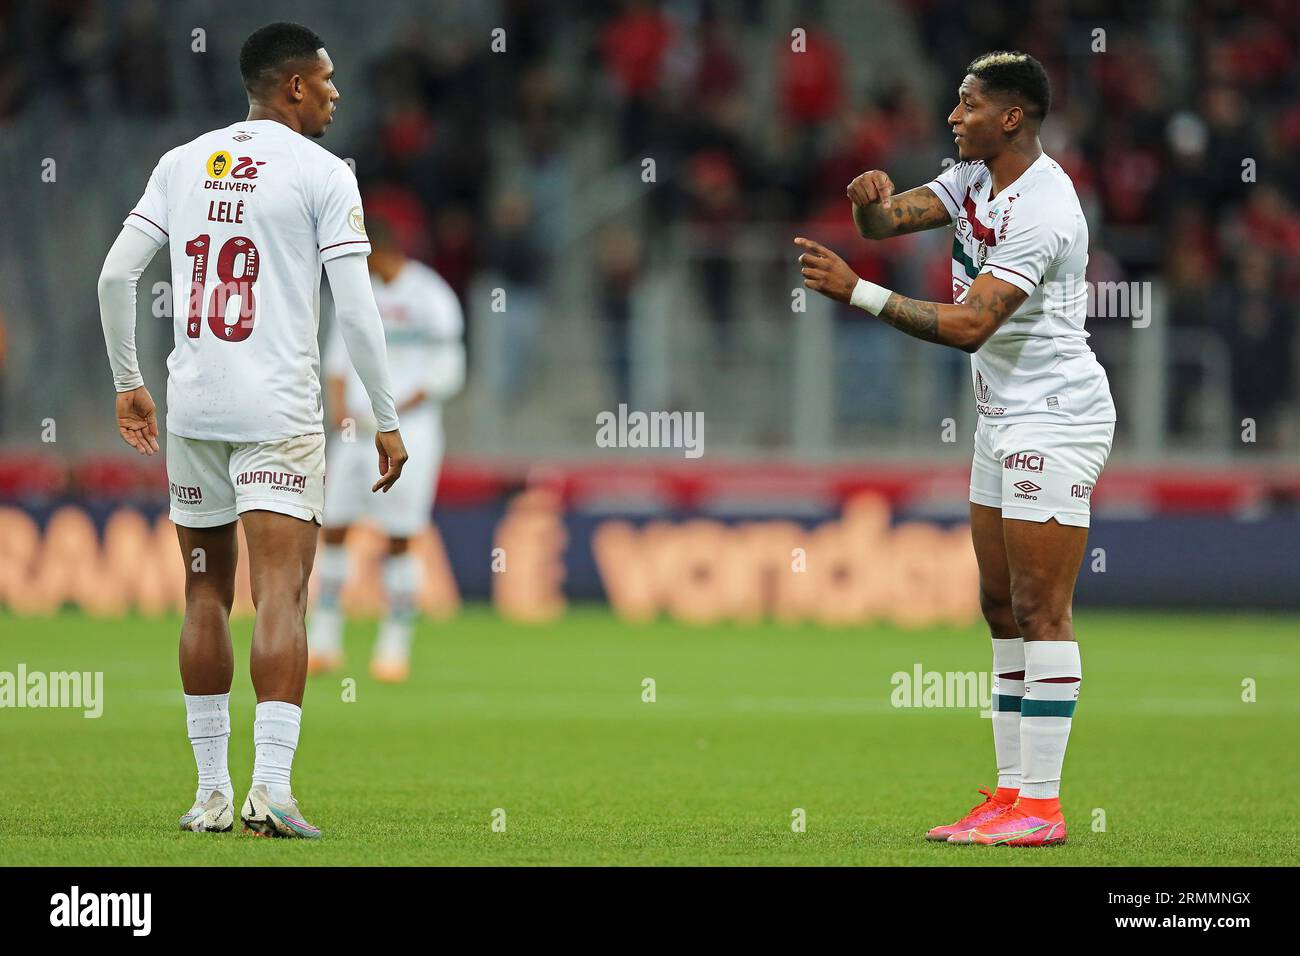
390, 670
1028, 823
993, 805
323, 662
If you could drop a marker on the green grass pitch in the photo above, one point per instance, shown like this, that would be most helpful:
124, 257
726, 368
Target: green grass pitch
749, 723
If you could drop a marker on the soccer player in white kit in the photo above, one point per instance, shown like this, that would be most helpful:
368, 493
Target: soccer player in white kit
1046, 422
424, 326
250, 213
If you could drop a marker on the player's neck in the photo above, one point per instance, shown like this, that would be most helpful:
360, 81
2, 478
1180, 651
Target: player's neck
261, 111
1007, 166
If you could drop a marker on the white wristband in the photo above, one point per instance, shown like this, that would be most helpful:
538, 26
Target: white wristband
869, 296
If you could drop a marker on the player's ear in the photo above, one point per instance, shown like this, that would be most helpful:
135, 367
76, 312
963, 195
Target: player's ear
1012, 118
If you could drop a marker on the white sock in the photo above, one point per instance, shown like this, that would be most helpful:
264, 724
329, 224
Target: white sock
1046, 714
401, 579
325, 630
275, 738
207, 717
1008, 658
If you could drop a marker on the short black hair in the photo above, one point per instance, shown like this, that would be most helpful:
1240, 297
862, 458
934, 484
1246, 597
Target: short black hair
268, 49
1005, 71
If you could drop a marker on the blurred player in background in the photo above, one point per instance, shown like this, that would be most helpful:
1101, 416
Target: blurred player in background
251, 212
1046, 416
424, 327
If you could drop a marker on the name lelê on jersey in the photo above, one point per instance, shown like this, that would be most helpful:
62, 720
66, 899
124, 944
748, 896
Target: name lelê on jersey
224, 210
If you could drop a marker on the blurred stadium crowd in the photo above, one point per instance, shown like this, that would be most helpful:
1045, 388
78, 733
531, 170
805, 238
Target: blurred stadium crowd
525, 171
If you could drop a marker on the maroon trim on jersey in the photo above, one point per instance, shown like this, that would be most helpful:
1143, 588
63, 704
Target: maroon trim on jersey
348, 243
994, 265
949, 192
150, 222
977, 229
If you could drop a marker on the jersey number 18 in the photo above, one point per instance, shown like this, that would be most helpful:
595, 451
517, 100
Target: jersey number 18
228, 284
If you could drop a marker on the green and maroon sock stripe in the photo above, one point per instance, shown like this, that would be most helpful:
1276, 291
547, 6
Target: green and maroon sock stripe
1054, 697
1008, 692
1047, 708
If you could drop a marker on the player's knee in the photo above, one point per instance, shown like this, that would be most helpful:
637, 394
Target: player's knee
998, 614
1038, 613
285, 587
999, 617
209, 591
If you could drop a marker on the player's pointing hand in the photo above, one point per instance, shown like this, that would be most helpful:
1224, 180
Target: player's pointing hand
825, 272
392, 456
872, 186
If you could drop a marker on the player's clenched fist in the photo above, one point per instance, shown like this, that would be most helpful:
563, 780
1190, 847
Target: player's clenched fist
872, 187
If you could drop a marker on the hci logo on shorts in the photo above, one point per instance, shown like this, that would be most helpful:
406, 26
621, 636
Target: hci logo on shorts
1023, 461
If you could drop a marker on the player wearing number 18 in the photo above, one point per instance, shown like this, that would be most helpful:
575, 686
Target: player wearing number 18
250, 212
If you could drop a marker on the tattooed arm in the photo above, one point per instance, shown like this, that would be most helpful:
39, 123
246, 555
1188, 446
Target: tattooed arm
879, 214
965, 325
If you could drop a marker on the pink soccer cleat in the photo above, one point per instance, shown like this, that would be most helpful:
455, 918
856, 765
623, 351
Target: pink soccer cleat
1020, 827
990, 808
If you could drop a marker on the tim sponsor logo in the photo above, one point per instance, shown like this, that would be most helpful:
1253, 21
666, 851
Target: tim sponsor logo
186, 494
277, 480
1081, 491
75, 908
1024, 461
1006, 217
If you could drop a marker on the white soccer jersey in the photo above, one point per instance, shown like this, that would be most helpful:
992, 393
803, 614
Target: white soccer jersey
1037, 367
251, 212
423, 328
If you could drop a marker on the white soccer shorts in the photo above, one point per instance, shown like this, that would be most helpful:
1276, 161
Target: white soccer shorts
1035, 471
353, 468
212, 482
